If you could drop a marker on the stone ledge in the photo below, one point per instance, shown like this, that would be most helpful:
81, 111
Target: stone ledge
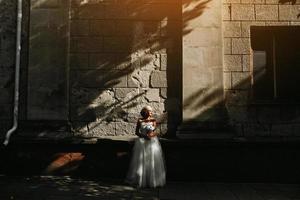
180, 142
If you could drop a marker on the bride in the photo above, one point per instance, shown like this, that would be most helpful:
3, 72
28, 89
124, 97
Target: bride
147, 167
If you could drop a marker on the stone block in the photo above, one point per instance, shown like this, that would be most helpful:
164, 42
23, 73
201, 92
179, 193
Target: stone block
232, 63
150, 62
163, 62
6, 96
46, 4
131, 98
125, 27
80, 95
158, 79
240, 45
217, 77
226, 12
271, 2
211, 16
152, 95
241, 80
227, 45
47, 67
294, 23
89, 44
105, 98
194, 56
116, 44
227, 80
246, 63
236, 97
212, 57
121, 93
163, 93
253, 1
110, 61
125, 128
246, 27
73, 45
6, 78
266, 12
79, 27
80, 129
99, 78
231, 29
92, 112
270, 23
103, 27
203, 37
7, 57
151, 29
133, 109
98, 129
289, 12
116, 11
6, 111
129, 117
83, 113
88, 11
232, 1
242, 12
156, 12
158, 108
139, 79
7, 41
79, 61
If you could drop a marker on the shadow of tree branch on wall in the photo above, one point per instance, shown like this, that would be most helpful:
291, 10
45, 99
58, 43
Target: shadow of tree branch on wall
145, 35
123, 55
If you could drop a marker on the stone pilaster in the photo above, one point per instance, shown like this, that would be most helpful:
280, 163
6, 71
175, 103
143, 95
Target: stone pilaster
203, 109
47, 97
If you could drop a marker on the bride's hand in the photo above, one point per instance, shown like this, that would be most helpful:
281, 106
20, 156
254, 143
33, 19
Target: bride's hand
151, 134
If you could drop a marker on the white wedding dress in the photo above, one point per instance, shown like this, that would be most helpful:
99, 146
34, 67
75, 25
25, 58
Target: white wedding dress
147, 167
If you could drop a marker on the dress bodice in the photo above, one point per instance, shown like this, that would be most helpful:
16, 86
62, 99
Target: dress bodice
146, 127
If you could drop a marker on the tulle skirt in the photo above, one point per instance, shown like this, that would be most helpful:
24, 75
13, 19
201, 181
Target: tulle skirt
147, 167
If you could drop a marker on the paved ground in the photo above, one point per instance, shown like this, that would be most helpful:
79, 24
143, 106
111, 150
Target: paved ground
68, 188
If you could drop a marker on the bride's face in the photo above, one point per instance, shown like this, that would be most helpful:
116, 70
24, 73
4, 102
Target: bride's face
147, 113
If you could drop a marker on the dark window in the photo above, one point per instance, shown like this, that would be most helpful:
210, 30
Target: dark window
276, 63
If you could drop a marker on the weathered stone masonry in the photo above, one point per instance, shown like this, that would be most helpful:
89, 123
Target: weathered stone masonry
122, 55
247, 117
7, 60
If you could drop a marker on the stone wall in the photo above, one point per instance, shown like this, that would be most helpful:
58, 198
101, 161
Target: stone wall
247, 117
124, 55
7, 49
8, 17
